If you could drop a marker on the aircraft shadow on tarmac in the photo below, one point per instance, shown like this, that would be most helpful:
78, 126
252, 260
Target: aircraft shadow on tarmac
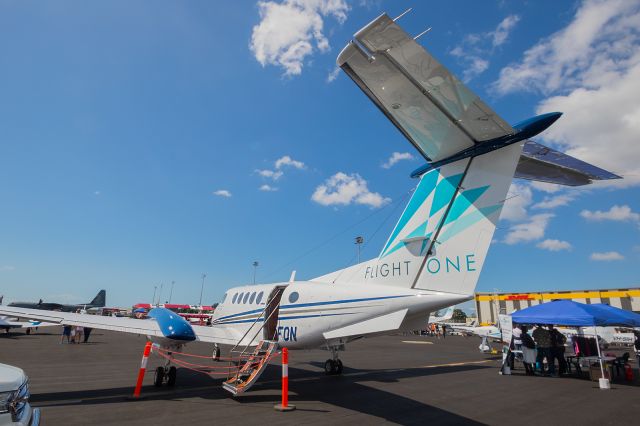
344, 391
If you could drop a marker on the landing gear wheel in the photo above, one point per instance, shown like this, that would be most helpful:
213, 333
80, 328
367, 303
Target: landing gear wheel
330, 367
159, 377
216, 354
338, 366
28, 331
171, 376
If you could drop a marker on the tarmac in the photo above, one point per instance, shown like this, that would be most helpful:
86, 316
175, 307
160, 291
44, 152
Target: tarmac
403, 379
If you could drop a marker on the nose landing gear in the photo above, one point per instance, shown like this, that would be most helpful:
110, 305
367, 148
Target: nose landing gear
166, 374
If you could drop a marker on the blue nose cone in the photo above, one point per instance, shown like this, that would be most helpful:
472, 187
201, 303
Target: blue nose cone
172, 325
532, 126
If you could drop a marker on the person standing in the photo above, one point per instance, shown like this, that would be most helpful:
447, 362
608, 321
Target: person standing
557, 349
87, 332
543, 345
79, 333
66, 332
528, 351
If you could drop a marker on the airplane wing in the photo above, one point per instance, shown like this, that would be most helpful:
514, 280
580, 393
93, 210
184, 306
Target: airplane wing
542, 163
428, 104
150, 326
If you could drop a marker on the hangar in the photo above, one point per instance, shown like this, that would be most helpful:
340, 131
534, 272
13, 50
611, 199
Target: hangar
488, 305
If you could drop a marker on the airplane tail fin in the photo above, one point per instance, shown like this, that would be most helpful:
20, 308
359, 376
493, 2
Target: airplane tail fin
100, 300
441, 240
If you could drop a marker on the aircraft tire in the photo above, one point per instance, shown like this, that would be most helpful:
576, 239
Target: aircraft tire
338, 367
171, 376
159, 377
216, 354
329, 367
28, 331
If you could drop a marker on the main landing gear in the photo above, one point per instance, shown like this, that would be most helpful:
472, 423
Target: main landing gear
167, 374
333, 366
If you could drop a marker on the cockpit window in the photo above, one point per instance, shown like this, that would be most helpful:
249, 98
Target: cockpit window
223, 298
235, 296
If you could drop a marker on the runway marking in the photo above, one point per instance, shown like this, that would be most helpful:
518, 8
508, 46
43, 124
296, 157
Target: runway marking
417, 342
457, 364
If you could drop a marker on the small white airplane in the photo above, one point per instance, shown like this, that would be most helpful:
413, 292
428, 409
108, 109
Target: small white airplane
435, 253
442, 318
9, 324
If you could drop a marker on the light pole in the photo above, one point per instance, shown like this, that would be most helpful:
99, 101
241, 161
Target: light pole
171, 291
255, 267
359, 241
202, 288
153, 301
160, 295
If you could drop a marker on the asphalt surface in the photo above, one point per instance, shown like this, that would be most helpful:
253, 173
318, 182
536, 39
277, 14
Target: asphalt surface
398, 379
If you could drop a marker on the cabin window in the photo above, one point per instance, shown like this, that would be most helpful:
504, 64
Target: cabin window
246, 297
235, 297
293, 297
259, 299
240, 297
252, 298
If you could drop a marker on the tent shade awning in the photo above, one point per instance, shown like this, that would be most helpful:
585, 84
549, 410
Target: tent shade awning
570, 313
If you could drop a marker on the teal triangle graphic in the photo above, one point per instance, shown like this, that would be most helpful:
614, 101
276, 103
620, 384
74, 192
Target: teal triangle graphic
463, 202
425, 187
467, 221
444, 192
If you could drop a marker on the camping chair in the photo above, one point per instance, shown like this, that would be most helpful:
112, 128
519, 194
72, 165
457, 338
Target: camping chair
620, 362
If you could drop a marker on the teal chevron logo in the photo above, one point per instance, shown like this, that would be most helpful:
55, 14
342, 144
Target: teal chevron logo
459, 218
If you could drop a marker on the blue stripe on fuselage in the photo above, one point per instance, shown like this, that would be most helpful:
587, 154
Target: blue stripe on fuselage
302, 305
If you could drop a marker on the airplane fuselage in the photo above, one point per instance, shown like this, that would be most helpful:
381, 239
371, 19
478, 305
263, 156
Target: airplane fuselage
313, 314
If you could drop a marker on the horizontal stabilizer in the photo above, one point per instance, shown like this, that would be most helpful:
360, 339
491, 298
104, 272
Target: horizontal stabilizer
438, 114
544, 164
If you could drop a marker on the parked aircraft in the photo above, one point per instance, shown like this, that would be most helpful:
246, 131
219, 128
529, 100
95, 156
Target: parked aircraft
97, 302
434, 255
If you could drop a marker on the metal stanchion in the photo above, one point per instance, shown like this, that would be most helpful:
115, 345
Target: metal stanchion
284, 406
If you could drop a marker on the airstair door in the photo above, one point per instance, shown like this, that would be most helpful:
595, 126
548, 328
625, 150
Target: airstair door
271, 313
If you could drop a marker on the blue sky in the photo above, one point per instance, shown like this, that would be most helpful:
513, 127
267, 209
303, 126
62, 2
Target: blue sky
140, 142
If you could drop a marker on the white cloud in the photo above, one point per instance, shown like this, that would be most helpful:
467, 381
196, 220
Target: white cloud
502, 31
616, 213
271, 174
553, 202
606, 256
550, 188
344, 189
529, 231
288, 161
331, 77
518, 199
476, 49
267, 188
6, 268
96, 193
591, 71
554, 245
222, 193
290, 31
395, 157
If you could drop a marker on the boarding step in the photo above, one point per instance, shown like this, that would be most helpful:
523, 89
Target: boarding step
252, 368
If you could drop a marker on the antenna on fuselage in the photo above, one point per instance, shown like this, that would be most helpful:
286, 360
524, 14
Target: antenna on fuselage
292, 278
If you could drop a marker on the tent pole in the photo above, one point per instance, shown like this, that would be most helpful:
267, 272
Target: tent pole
599, 356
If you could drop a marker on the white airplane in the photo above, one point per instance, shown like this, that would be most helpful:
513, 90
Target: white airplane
435, 253
9, 324
442, 318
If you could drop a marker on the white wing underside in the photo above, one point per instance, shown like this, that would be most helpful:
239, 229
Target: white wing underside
428, 104
148, 327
